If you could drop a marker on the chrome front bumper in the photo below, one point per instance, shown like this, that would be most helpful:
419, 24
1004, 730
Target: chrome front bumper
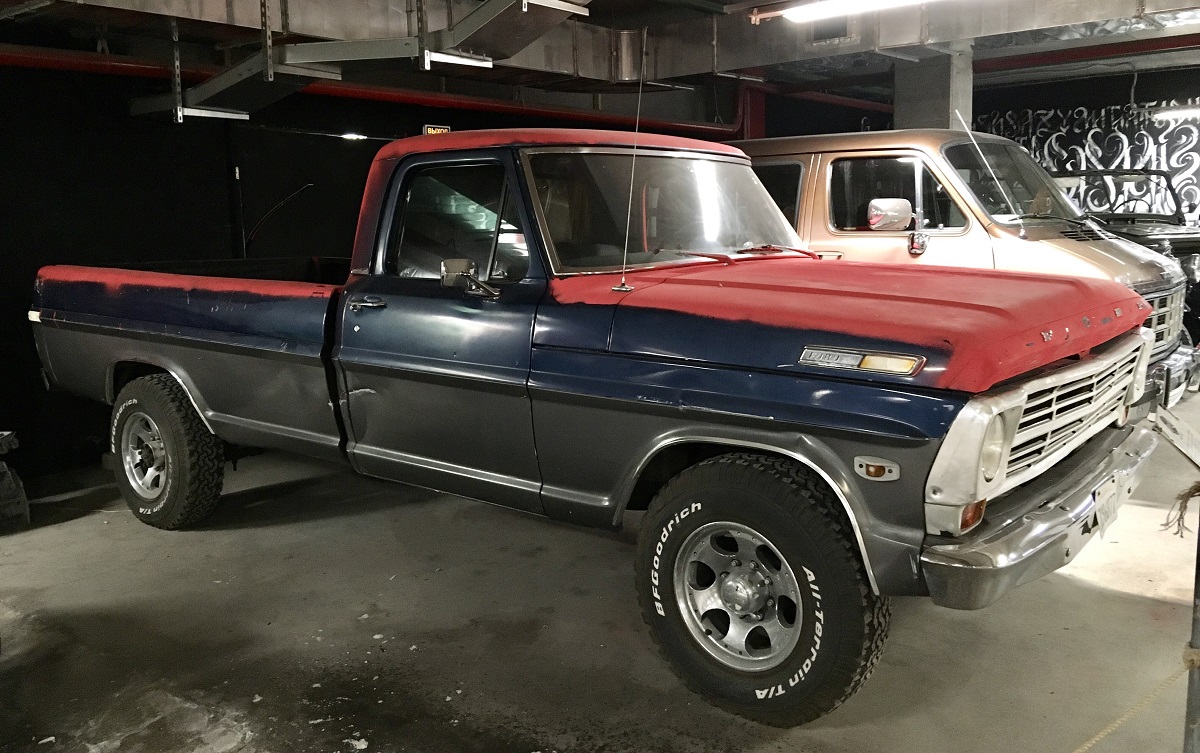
1038, 527
1173, 374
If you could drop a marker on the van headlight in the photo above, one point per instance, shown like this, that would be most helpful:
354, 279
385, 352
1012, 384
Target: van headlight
992, 452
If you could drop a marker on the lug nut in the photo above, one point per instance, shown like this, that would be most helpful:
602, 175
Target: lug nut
770, 602
758, 616
753, 565
735, 563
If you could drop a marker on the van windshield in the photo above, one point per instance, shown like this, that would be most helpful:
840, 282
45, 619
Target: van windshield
1020, 189
682, 207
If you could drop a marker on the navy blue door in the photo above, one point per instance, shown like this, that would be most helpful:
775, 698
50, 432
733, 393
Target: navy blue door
435, 378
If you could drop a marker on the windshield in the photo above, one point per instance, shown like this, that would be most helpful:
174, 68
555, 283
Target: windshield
1123, 194
681, 206
1024, 188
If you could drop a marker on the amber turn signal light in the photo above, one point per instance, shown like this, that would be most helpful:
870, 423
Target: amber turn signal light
971, 515
874, 471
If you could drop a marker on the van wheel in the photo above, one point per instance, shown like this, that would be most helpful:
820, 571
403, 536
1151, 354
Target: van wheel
169, 467
750, 581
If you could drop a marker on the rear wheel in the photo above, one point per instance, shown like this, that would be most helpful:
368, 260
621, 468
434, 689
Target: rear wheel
749, 579
169, 467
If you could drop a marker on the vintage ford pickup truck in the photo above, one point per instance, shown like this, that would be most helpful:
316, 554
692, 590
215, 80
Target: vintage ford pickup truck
542, 320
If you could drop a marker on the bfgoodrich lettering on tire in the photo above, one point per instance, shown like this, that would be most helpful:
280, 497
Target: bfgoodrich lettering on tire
749, 579
169, 467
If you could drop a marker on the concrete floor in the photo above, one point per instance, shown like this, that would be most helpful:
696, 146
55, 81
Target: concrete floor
322, 611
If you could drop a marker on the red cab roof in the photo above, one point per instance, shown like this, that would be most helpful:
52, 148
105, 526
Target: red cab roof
545, 137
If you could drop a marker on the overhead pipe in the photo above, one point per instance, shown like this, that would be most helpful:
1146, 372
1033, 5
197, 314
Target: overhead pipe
1086, 54
483, 104
90, 62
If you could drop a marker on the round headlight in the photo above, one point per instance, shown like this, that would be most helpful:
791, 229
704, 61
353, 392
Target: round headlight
993, 449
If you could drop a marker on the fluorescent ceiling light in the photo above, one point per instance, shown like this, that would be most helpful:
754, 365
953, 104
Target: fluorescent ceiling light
1176, 113
353, 136
821, 10
447, 57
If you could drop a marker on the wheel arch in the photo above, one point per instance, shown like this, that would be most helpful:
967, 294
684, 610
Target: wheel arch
121, 373
676, 454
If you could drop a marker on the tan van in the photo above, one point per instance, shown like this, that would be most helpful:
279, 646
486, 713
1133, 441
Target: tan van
936, 197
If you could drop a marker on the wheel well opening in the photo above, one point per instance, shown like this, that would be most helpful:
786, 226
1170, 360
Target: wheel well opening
674, 459
126, 371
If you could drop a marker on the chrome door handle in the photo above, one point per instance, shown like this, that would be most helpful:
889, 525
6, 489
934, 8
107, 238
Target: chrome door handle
367, 302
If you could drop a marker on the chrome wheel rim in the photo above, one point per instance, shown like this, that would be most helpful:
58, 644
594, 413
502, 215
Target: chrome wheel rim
144, 456
738, 596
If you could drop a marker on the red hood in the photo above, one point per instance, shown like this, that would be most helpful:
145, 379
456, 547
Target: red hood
977, 328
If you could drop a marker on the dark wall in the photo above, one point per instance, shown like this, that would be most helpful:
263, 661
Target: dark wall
83, 182
797, 117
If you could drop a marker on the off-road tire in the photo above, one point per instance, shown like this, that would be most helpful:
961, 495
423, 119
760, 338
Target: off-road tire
195, 465
844, 623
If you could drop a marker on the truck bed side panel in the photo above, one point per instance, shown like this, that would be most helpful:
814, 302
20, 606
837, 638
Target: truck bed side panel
250, 353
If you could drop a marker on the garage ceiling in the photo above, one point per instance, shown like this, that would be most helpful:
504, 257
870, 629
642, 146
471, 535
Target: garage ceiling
597, 46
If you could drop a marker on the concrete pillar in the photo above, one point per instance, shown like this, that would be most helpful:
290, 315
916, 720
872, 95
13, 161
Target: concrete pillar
928, 92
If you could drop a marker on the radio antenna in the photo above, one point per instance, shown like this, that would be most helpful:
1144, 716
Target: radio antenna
637, 123
983, 158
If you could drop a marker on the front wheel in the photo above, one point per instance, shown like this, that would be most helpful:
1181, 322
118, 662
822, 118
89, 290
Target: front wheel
168, 466
748, 577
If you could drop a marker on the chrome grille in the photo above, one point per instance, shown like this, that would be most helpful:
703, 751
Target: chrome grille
1062, 415
1166, 318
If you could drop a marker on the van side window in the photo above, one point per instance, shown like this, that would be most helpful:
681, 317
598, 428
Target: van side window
938, 209
856, 181
457, 212
783, 183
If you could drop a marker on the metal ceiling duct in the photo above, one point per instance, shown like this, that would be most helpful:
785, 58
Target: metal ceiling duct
499, 29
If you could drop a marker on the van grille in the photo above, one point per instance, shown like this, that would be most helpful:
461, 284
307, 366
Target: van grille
1166, 318
1061, 416
1085, 234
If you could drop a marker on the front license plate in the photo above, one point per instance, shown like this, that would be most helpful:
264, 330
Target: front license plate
1109, 498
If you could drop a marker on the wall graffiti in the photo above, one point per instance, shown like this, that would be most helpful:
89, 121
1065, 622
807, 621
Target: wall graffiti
1116, 137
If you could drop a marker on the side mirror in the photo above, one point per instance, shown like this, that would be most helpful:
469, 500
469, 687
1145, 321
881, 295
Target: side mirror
889, 214
460, 273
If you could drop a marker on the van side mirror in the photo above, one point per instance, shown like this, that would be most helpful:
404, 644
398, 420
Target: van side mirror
460, 273
889, 214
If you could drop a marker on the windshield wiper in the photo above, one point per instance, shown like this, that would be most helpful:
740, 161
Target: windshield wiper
1042, 216
771, 248
732, 254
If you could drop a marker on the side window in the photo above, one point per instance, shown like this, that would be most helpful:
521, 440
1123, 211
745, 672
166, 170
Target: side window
510, 260
783, 183
457, 212
938, 209
857, 181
